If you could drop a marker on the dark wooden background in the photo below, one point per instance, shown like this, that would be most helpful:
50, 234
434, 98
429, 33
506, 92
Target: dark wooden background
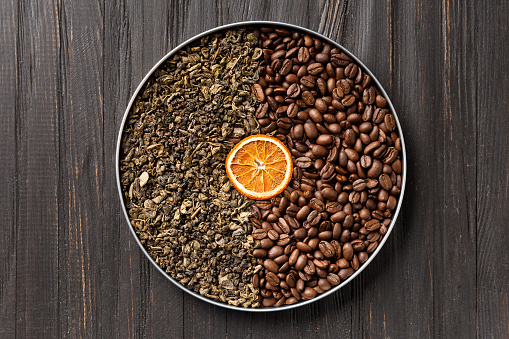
69, 266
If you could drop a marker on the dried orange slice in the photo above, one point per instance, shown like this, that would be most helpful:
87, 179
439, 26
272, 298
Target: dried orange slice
259, 166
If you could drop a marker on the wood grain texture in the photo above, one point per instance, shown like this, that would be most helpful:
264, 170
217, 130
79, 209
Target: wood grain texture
69, 266
490, 46
8, 167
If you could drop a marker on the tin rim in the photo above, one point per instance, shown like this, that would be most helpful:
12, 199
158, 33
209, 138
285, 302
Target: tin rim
365, 69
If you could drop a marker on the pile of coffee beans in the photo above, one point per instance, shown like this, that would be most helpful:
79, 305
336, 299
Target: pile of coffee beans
347, 167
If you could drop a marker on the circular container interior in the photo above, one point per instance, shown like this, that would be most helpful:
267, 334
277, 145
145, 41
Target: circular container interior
365, 69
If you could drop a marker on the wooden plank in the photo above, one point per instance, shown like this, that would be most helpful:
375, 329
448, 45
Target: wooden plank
487, 57
454, 265
82, 173
403, 276
8, 165
38, 200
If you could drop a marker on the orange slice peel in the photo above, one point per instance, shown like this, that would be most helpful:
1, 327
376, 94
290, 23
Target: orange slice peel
259, 166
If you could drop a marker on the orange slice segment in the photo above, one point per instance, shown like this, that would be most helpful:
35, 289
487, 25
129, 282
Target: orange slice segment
259, 166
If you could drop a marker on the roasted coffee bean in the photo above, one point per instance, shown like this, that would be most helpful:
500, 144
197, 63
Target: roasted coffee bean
303, 55
308, 98
372, 147
339, 60
309, 268
354, 197
300, 233
351, 70
302, 71
378, 115
327, 249
293, 91
368, 96
315, 68
310, 130
320, 263
286, 67
314, 218
291, 279
321, 106
281, 261
319, 151
292, 260
343, 263
277, 55
275, 252
272, 217
317, 205
273, 235
385, 182
390, 122
259, 234
303, 162
365, 161
329, 193
280, 302
381, 101
373, 236
372, 247
313, 243
308, 293
391, 203
348, 251
262, 111
259, 253
372, 225
267, 302
301, 262
308, 81
266, 243
324, 139
359, 185
345, 273
292, 79
303, 213
297, 132
352, 154
363, 257
292, 111
291, 301
390, 156
271, 266
348, 100
375, 170
358, 245
350, 137
324, 284
303, 247
333, 279
283, 226
285, 123
272, 279
284, 239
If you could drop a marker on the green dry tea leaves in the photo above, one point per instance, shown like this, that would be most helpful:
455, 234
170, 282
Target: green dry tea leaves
183, 123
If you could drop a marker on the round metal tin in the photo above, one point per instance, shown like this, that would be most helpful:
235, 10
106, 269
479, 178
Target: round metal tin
403, 158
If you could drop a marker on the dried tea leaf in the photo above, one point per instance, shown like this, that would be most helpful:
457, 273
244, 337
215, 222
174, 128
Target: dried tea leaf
178, 134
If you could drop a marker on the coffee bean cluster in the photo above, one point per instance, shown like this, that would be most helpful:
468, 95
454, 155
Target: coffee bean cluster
347, 167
